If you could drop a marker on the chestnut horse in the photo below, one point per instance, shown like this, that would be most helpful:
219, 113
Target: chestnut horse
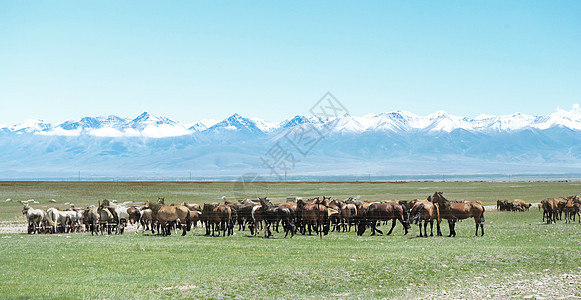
314, 215
426, 211
217, 218
551, 209
383, 211
454, 211
165, 214
348, 213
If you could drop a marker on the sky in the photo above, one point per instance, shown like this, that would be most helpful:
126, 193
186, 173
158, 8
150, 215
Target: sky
190, 60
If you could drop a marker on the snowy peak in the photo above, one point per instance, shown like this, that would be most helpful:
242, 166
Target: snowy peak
30, 126
146, 119
93, 123
236, 123
401, 122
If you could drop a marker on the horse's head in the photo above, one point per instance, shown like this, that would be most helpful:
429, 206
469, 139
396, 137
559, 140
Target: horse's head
160, 200
415, 213
406, 217
300, 203
146, 205
25, 208
264, 202
337, 202
438, 197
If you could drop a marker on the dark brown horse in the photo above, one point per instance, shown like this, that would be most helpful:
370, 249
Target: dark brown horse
217, 218
165, 214
383, 211
426, 211
314, 216
551, 209
454, 211
272, 214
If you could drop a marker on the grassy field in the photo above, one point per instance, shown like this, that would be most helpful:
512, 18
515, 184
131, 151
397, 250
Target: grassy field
518, 256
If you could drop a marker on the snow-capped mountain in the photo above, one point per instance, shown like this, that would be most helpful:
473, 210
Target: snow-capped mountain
396, 142
150, 125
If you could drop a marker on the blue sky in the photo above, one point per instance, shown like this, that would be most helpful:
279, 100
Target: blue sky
209, 59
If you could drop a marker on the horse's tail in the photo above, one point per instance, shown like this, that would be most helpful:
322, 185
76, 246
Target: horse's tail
482, 215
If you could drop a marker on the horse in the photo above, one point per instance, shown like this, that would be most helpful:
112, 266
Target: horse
426, 211
164, 214
272, 214
571, 208
551, 209
269, 215
454, 211
134, 215
244, 214
34, 217
384, 211
217, 217
348, 213
91, 219
194, 218
222, 216
145, 219
108, 217
314, 214
58, 218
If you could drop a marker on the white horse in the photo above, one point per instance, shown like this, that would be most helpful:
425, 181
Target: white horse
34, 217
66, 219
123, 216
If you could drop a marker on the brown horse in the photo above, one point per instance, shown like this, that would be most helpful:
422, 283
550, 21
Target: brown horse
164, 214
426, 211
348, 213
314, 216
551, 209
91, 219
571, 208
383, 211
454, 211
134, 214
217, 218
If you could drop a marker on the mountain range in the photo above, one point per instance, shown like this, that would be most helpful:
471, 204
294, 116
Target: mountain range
152, 126
384, 144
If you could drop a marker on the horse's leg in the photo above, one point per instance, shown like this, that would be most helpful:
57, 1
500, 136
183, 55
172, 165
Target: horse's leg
432, 227
420, 227
393, 226
377, 229
184, 228
454, 228
425, 228
451, 227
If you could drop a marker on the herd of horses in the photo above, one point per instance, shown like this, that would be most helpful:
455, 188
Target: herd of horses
318, 215
553, 209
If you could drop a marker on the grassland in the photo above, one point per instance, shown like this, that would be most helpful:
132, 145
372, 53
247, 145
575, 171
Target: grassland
518, 256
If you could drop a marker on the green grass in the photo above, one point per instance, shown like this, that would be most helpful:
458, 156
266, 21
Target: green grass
341, 265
